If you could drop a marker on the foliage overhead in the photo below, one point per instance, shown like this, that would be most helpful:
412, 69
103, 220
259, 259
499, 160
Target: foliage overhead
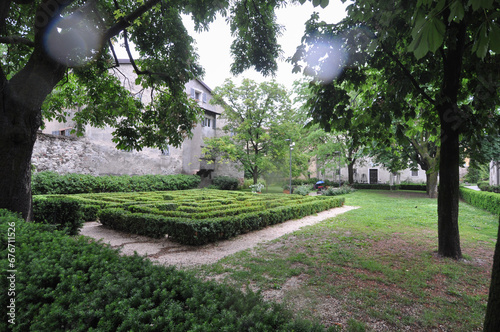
81, 36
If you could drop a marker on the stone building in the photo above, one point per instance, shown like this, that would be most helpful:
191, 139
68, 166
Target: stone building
495, 173
58, 150
366, 171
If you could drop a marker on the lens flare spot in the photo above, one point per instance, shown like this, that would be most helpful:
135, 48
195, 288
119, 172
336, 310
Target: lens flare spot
72, 41
326, 58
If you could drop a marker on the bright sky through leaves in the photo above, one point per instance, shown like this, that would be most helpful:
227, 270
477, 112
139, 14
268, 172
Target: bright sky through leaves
213, 46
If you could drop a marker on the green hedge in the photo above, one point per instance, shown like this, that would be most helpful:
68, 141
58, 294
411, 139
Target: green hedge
226, 183
53, 183
197, 231
60, 212
374, 186
484, 200
65, 283
385, 186
413, 186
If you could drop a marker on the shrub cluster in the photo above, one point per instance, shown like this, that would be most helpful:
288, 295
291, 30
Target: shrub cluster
313, 181
73, 284
485, 186
225, 183
338, 191
199, 217
302, 190
54, 183
484, 200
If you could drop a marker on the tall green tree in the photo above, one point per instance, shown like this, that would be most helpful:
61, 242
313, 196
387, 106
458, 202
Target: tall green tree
256, 116
442, 53
325, 141
58, 52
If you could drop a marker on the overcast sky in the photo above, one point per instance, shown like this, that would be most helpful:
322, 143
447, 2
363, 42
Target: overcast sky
214, 46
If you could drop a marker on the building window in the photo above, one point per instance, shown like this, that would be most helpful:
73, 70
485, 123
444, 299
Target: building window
208, 122
198, 95
414, 173
62, 132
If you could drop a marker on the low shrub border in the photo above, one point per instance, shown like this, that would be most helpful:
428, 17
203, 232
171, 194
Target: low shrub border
384, 186
374, 186
53, 183
72, 284
484, 200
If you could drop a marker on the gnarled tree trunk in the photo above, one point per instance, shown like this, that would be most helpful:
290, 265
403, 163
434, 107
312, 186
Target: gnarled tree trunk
21, 99
17, 138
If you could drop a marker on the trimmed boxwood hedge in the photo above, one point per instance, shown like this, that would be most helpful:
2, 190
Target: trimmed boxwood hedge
65, 283
53, 183
385, 186
201, 228
374, 186
484, 200
60, 212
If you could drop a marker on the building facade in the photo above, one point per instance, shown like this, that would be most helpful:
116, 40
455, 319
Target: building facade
95, 153
366, 171
495, 173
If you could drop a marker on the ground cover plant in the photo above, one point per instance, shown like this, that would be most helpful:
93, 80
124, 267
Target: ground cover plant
65, 283
375, 268
199, 216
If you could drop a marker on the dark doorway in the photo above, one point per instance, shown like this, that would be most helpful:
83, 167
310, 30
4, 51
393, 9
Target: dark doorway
374, 176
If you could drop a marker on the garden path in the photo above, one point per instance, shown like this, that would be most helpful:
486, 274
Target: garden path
167, 252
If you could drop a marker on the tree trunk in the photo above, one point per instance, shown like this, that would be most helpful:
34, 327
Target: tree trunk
492, 318
17, 138
21, 99
255, 175
350, 170
448, 194
432, 183
451, 120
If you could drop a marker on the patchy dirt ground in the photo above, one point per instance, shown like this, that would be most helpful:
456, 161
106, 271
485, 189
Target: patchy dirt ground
167, 252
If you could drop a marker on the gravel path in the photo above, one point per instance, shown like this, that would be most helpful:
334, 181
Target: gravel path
167, 252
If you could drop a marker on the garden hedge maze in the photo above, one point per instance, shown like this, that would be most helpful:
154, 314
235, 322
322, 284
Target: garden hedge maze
197, 217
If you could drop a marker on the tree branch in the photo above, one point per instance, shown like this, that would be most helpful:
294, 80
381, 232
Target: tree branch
127, 21
409, 75
16, 40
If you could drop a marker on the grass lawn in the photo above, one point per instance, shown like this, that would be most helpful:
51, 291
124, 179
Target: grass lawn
374, 268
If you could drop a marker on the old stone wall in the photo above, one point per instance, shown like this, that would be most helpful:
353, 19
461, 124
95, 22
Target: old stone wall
64, 154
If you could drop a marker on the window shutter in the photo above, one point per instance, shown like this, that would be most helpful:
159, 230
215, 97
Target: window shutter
55, 133
193, 93
213, 123
204, 97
